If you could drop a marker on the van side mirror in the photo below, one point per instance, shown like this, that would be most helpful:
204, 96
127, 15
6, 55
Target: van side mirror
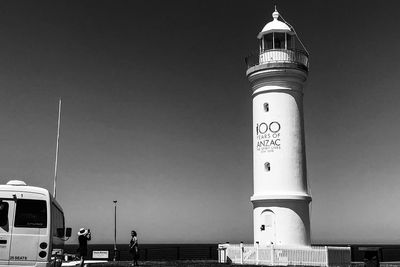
68, 232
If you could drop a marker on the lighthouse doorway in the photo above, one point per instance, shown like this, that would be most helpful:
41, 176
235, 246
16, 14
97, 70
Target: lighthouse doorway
267, 228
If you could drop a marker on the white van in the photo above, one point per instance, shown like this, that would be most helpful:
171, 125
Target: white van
32, 229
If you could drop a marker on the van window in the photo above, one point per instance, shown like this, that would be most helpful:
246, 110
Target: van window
57, 220
31, 213
3, 213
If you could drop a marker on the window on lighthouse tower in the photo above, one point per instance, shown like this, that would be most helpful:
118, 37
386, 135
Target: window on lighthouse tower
267, 166
266, 107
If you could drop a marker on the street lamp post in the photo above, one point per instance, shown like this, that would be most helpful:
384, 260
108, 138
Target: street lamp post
115, 230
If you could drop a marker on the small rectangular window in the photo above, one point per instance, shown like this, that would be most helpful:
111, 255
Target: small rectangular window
266, 107
267, 166
57, 219
3, 213
31, 213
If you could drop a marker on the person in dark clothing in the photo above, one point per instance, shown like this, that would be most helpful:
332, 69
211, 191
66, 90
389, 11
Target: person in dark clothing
134, 248
83, 237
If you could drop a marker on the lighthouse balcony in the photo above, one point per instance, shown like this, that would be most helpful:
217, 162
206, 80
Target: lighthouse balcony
273, 58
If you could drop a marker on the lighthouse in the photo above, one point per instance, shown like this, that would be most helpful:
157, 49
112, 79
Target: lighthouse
281, 200
277, 74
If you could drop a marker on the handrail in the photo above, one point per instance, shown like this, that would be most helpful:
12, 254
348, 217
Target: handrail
277, 56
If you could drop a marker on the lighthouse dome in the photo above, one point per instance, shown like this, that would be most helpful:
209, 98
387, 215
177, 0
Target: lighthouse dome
275, 26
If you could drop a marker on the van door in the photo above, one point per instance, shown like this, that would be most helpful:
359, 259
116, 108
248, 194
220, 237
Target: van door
29, 224
6, 228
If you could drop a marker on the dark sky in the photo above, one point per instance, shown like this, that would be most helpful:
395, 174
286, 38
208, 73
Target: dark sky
157, 114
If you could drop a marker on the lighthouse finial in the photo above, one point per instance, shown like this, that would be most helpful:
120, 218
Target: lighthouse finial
275, 15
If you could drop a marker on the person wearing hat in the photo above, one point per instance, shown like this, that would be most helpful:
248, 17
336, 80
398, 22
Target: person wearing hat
134, 248
83, 237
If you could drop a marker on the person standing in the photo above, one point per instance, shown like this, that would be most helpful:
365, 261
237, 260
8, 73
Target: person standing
134, 248
84, 236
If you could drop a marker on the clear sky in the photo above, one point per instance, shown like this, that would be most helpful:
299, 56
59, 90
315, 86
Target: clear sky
157, 114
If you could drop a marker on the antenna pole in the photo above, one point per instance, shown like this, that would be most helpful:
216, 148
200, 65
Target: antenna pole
58, 137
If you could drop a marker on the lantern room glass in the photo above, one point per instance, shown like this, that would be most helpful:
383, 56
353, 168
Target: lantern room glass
277, 40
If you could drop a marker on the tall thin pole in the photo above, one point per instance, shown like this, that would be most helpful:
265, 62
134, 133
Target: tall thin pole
115, 230
58, 137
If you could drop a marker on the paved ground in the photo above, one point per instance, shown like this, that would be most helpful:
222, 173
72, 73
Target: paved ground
188, 263
203, 263
390, 264
180, 263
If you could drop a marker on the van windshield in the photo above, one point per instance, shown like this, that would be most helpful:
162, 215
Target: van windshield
31, 213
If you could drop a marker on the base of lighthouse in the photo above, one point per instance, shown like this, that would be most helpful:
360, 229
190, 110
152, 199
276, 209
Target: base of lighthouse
281, 221
282, 237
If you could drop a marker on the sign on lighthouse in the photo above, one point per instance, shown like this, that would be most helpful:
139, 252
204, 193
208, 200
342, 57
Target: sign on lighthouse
268, 136
281, 198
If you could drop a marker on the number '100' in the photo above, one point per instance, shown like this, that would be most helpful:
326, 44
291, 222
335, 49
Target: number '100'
273, 127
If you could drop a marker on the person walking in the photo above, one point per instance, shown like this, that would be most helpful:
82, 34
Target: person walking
84, 236
134, 248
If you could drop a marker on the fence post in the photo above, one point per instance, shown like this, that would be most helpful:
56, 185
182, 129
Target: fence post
241, 252
222, 253
272, 254
226, 252
327, 256
178, 253
257, 252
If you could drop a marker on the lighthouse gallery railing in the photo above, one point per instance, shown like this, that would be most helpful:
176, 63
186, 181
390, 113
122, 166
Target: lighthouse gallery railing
277, 56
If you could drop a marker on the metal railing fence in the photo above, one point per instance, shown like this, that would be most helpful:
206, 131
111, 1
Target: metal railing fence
285, 255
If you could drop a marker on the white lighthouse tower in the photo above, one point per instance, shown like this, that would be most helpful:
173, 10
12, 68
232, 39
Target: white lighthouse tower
281, 198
